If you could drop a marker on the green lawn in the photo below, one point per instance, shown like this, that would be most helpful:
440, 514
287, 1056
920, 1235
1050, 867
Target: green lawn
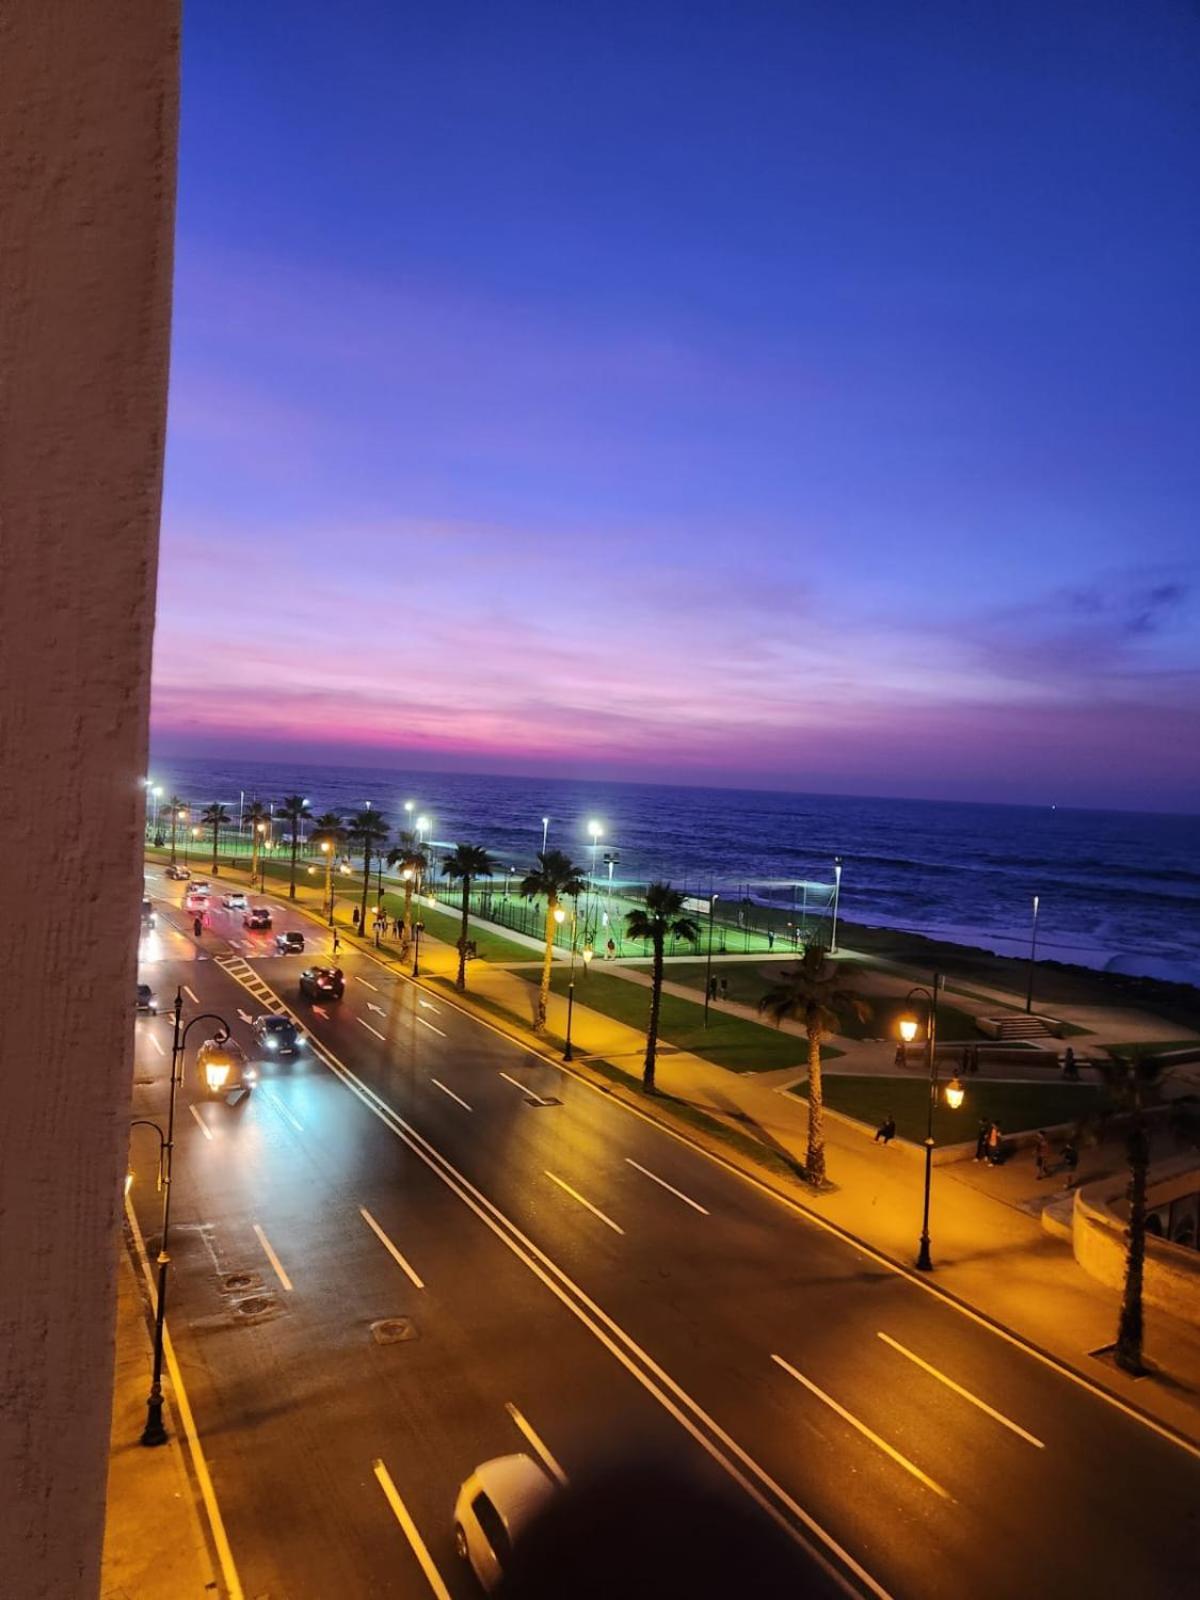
1150, 1047
1015, 1106
728, 1041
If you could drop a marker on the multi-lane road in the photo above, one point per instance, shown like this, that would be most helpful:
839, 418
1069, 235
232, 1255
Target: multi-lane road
419, 1246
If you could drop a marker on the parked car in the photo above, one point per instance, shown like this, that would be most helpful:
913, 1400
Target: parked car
496, 1503
147, 1000
277, 1034
322, 983
234, 900
222, 1069
290, 943
257, 917
178, 872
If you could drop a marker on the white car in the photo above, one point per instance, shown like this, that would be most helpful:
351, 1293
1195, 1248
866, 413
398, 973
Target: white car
235, 900
496, 1503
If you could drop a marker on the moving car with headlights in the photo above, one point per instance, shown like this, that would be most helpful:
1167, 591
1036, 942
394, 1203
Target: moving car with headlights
178, 872
496, 1503
277, 1035
234, 900
290, 943
322, 983
195, 898
149, 916
147, 1000
257, 917
222, 1069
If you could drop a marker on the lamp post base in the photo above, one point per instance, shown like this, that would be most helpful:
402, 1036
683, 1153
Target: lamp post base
924, 1259
155, 1430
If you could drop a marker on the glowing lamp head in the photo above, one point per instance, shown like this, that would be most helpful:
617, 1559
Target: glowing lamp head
408, 874
326, 847
595, 829
908, 1029
422, 823
954, 1093
215, 1074
560, 916
588, 953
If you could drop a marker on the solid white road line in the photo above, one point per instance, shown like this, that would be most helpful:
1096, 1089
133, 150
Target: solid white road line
369, 1028
548, 1460
194, 998
179, 1396
522, 1088
866, 1432
273, 1259
678, 1193
388, 1245
437, 1082
374, 988
432, 1575
283, 1110
575, 1195
941, 1377
431, 1027
204, 1127
157, 1045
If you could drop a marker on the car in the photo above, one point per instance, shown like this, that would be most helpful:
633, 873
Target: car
257, 917
322, 983
277, 1034
494, 1506
194, 901
176, 871
149, 915
290, 943
234, 900
147, 1000
222, 1069
200, 886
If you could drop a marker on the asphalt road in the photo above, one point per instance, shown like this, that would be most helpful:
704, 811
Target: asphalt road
629, 1297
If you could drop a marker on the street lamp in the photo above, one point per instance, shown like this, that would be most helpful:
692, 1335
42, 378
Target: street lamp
155, 1432
954, 1094
545, 831
837, 891
1032, 954
418, 930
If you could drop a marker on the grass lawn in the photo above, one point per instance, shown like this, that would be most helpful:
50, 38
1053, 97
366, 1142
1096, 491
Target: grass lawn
1150, 1047
728, 1041
748, 981
1015, 1106
445, 925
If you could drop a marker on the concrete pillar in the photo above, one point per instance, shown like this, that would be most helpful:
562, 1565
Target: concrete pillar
88, 131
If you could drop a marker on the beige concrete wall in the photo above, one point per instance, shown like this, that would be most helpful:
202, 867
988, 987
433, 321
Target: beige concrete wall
88, 115
1099, 1220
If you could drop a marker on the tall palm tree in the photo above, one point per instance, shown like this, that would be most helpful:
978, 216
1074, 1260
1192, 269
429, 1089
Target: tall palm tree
293, 809
177, 804
558, 878
466, 861
215, 817
661, 914
412, 861
809, 991
328, 832
259, 818
368, 830
1127, 1082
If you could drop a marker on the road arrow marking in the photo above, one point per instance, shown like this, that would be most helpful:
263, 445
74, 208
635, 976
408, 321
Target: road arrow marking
371, 1006
321, 1012
245, 1015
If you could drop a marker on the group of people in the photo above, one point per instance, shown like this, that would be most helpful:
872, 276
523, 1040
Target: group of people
1043, 1153
718, 988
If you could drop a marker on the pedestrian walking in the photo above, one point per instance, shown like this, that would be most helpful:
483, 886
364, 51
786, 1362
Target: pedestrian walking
356, 918
197, 927
724, 988
1041, 1154
770, 938
712, 988
1070, 1161
1070, 1070
610, 950
995, 1145
981, 1138
337, 943
886, 1131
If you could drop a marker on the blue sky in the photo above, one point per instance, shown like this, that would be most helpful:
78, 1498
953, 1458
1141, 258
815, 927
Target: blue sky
753, 393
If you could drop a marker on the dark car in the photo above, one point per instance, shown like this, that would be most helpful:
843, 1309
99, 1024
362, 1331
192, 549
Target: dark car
178, 872
290, 943
322, 983
257, 917
147, 1000
277, 1035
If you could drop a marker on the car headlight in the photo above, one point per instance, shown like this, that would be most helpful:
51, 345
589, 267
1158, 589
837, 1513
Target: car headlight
250, 1075
215, 1074
272, 1044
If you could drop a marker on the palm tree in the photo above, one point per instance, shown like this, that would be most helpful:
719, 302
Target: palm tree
259, 818
661, 914
1127, 1082
809, 991
292, 809
215, 817
367, 829
466, 861
558, 878
412, 861
177, 804
328, 832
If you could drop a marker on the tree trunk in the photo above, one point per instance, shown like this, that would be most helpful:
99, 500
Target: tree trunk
815, 1160
174, 825
408, 917
254, 855
547, 962
656, 983
1129, 1329
216, 836
362, 915
461, 981
295, 847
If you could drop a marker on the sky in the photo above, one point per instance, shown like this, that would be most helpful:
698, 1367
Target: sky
794, 395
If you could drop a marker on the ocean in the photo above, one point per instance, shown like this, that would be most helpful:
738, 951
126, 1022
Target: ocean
1117, 890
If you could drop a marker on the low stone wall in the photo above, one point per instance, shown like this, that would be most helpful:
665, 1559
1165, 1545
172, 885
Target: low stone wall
1172, 1281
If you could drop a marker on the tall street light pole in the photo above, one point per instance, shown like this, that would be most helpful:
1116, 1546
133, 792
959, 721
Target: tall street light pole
155, 1432
712, 906
837, 893
545, 832
1032, 953
954, 1096
418, 930
587, 956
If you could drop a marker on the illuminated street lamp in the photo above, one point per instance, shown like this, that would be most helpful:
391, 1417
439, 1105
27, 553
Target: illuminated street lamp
837, 893
545, 832
909, 1028
155, 1431
327, 852
1032, 953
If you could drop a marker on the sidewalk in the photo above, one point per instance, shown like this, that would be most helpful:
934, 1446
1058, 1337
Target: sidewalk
154, 1544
